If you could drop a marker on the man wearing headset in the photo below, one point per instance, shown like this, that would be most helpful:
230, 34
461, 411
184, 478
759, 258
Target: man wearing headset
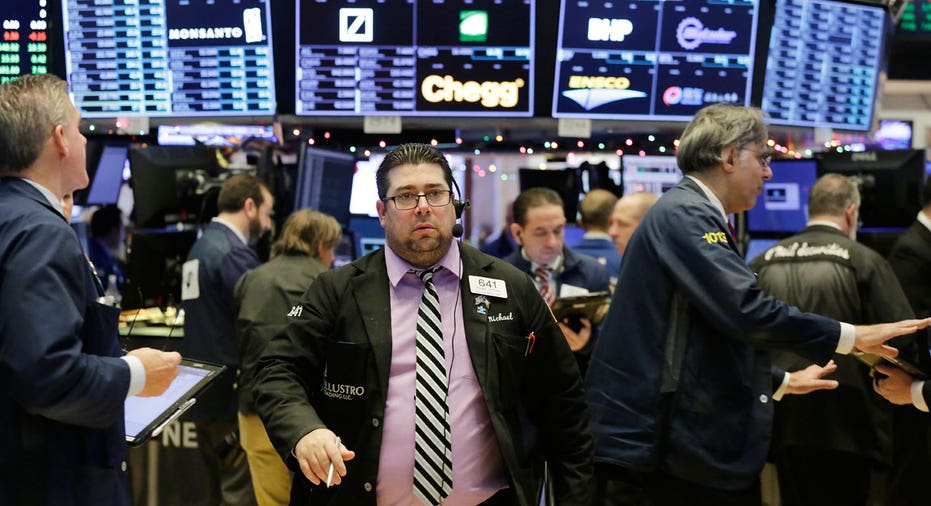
467, 332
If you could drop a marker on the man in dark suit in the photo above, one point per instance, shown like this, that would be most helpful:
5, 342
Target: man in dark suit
680, 383
828, 444
910, 259
556, 270
220, 256
337, 387
63, 378
265, 299
595, 212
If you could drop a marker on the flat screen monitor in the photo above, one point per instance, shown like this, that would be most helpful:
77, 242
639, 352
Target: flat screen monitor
890, 184
170, 58
414, 57
825, 58
650, 173
782, 207
165, 183
324, 182
565, 182
915, 23
894, 134
652, 60
24, 45
213, 135
364, 191
108, 177
756, 247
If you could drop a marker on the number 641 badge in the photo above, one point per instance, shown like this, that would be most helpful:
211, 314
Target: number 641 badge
488, 286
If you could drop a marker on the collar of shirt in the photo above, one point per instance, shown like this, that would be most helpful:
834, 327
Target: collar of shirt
56, 204
398, 267
715, 201
230, 226
924, 220
555, 267
596, 235
823, 223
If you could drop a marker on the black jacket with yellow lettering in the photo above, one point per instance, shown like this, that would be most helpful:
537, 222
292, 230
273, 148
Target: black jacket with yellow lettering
310, 377
823, 271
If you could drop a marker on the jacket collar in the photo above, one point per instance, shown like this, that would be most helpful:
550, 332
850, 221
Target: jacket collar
23, 188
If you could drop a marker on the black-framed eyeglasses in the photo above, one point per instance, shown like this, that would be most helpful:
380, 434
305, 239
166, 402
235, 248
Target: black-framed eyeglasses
764, 158
435, 198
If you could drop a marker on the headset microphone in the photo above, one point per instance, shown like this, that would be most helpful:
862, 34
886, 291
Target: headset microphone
459, 206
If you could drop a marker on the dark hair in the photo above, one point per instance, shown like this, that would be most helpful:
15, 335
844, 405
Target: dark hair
533, 197
106, 219
831, 195
304, 231
237, 189
716, 127
410, 154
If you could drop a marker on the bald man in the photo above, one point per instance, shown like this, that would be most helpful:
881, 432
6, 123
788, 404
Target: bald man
628, 211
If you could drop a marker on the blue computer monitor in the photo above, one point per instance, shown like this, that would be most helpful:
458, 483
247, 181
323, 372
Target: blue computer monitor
108, 178
756, 247
782, 207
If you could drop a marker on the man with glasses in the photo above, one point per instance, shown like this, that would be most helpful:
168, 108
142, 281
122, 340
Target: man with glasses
828, 444
680, 382
425, 372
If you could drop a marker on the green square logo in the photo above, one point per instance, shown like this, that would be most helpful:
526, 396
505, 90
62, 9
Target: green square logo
473, 26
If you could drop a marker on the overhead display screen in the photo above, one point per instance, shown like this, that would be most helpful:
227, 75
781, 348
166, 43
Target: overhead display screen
824, 62
24, 44
169, 57
916, 20
652, 60
414, 57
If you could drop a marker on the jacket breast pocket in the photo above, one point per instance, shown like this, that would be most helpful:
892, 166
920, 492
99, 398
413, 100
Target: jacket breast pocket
343, 392
510, 353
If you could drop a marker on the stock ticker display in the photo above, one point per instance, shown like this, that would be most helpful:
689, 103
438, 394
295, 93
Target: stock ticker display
824, 62
24, 44
415, 57
169, 57
652, 60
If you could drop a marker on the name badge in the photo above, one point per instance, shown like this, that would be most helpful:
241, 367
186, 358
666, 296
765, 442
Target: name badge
488, 286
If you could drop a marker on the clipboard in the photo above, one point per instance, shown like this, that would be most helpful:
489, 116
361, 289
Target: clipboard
593, 306
871, 359
146, 417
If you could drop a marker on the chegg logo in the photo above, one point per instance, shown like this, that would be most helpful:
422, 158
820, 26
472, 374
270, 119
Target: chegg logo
436, 89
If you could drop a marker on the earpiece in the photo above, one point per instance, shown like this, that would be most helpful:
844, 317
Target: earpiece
460, 206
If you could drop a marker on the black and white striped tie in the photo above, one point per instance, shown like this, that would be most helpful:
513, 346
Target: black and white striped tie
433, 465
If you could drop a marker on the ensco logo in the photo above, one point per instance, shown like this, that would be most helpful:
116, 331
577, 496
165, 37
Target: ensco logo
436, 89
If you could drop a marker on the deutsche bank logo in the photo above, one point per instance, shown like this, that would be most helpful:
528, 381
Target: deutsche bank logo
356, 25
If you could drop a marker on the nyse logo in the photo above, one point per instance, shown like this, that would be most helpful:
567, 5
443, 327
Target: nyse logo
614, 30
356, 25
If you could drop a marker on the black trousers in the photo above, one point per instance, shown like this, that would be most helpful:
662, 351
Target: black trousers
617, 486
813, 476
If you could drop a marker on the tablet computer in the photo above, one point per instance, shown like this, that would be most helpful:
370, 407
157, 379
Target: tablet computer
593, 306
146, 417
